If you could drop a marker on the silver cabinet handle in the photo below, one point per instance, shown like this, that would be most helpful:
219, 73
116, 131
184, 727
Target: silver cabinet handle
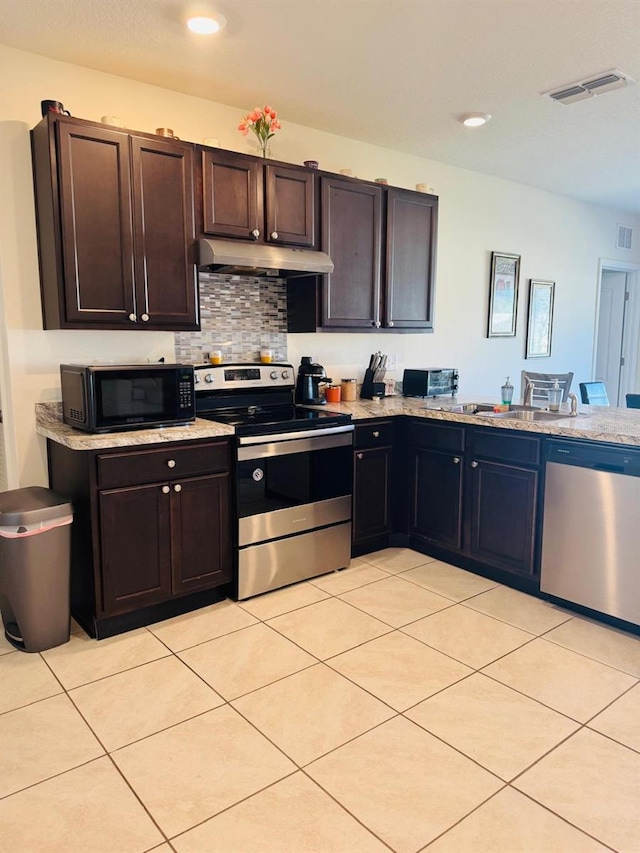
255, 233
171, 463
133, 318
474, 464
377, 324
456, 460
144, 318
165, 490
390, 323
360, 455
177, 487
274, 235
376, 434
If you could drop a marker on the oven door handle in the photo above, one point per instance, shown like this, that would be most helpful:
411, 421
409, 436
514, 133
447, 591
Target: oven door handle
288, 436
302, 445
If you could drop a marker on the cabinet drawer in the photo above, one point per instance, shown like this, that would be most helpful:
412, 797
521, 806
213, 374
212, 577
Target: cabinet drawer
506, 445
374, 434
437, 436
132, 468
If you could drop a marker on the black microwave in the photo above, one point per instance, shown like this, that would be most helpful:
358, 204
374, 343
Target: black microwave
430, 382
105, 398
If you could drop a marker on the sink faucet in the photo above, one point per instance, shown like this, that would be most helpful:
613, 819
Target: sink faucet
574, 405
527, 399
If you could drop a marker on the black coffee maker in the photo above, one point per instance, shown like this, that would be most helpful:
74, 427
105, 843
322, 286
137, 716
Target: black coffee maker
310, 377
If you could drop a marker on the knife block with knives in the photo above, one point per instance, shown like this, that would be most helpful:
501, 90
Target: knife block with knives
373, 382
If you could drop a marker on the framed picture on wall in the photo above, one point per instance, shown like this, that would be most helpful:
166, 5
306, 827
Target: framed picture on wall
503, 295
540, 318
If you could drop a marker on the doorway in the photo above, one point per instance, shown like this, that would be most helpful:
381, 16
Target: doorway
617, 333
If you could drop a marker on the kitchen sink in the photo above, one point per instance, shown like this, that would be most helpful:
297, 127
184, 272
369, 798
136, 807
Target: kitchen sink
531, 415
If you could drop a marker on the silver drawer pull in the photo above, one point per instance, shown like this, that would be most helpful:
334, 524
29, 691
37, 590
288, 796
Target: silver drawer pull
165, 490
177, 487
144, 318
255, 233
360, 455
274, 235
474, 464
133, 318
171, 463
456, 460
376, 434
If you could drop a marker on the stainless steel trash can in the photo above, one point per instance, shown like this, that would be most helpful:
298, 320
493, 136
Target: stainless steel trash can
35, 556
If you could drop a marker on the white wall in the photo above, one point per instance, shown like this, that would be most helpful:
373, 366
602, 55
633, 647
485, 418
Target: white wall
558, 239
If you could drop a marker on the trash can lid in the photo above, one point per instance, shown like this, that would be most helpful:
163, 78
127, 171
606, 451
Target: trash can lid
32, 505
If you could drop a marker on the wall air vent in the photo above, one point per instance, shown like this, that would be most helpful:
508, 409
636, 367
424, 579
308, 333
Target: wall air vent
624, 237
607, 81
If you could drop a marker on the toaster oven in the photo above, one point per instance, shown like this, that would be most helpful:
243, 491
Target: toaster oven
430, 382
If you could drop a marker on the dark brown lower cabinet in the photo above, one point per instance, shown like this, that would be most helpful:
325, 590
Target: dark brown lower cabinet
151, 527
436, 499
475, 493
372, 485
502, 523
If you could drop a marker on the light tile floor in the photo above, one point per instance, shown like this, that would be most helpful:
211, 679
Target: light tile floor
401, 705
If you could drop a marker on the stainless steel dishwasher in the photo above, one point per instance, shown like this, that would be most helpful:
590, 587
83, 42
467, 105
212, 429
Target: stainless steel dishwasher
591, 527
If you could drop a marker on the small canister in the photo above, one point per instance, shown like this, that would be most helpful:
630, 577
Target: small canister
348, 390
332, 393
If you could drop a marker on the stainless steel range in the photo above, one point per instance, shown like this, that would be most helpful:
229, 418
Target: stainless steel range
294, 475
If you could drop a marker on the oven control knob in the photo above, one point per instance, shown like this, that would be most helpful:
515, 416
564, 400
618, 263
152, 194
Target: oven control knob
208, 377
196, 378
274, 374
285, 374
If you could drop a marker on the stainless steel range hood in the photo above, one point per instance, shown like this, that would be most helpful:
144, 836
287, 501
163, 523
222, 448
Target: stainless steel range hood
235, 257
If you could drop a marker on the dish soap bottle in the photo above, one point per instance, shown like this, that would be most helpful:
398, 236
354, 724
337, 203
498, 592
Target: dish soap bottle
507, 392
555, 397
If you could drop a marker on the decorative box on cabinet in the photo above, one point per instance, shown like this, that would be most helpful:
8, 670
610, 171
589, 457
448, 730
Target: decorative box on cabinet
115, 222
151, 530
246, 198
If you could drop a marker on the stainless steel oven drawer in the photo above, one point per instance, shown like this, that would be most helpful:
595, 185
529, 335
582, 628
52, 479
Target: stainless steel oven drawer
293, 520
285, 561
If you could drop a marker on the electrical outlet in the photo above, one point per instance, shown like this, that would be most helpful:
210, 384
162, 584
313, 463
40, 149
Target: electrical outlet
392, 361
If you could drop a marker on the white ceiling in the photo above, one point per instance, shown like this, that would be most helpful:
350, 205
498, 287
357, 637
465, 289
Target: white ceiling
394, 72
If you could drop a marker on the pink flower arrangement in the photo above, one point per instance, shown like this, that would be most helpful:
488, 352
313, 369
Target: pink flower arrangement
263, 122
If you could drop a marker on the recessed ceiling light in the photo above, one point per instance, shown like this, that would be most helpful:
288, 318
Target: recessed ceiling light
474, 119
206, 25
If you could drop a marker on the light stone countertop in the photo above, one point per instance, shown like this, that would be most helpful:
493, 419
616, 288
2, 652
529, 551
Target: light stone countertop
49, 424
594, 423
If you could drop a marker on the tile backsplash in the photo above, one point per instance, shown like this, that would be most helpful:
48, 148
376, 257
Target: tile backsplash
239, 315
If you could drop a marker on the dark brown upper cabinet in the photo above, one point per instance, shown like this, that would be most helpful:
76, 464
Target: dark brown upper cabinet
115, 228
382, 242
246, 198
411, 259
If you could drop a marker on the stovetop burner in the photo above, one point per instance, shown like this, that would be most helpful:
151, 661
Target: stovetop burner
256, 399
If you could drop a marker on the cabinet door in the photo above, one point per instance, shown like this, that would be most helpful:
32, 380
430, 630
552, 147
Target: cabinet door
411, 259
503, 516
164, 237
201, 533
290, 206
436, 499
135, 547
95, 225
371, 493
232, 188
351, 235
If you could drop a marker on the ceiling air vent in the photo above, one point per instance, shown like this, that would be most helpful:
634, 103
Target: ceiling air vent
607, 81
624, 237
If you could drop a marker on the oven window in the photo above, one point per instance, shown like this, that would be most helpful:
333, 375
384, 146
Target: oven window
279, 482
